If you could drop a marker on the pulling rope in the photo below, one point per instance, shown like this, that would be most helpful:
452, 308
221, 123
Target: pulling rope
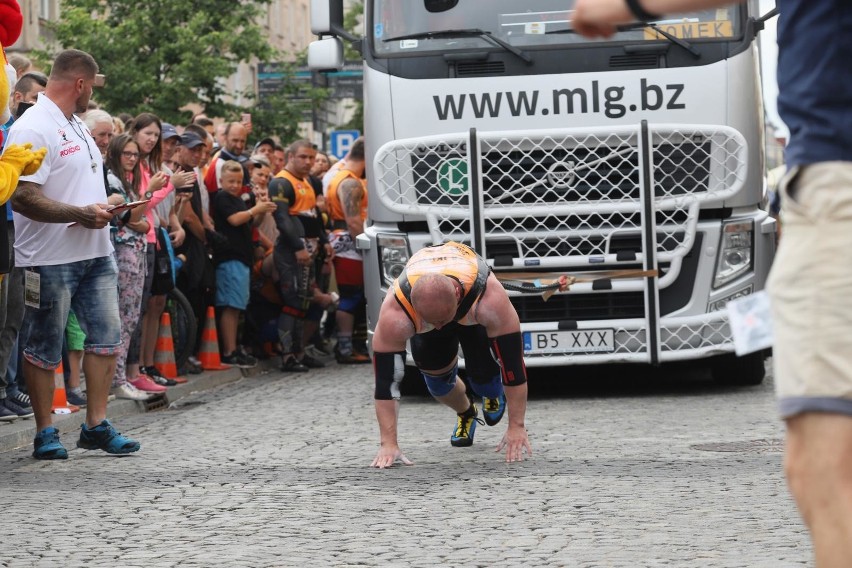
548, 283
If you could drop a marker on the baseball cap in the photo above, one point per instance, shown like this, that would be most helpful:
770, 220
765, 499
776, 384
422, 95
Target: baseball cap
169, 131
260, 159
189, 139
267, 141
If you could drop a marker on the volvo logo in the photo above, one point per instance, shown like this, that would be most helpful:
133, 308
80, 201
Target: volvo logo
561, 174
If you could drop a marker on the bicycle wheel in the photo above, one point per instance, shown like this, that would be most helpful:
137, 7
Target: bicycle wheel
184, 325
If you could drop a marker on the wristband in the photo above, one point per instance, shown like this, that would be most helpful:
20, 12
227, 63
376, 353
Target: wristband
639, 12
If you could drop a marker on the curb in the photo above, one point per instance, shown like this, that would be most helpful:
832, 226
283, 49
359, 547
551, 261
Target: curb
21, 432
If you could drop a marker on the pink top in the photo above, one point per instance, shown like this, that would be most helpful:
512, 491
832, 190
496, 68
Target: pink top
156, 197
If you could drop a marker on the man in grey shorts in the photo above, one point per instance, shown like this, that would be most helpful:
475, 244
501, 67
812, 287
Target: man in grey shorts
811, 282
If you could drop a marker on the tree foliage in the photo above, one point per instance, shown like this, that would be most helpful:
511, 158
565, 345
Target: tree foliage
279, 113
160, 55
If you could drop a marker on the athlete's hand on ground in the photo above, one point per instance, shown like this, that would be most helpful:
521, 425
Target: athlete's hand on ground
389, 455
516, 442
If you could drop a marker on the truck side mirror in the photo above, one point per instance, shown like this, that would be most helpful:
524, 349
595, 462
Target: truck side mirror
326, 54
326, 17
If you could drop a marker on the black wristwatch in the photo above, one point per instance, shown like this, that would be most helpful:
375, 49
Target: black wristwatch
640, 13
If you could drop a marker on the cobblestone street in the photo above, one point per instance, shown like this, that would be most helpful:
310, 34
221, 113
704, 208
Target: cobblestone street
273, 471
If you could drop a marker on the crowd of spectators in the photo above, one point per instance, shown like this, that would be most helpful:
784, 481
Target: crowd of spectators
244, 227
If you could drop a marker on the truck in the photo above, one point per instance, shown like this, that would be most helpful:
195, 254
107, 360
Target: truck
633, 165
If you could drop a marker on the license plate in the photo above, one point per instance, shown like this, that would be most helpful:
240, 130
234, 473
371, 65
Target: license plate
577, 341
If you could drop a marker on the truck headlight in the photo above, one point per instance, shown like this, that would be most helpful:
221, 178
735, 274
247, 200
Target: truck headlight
393, 254
735, 256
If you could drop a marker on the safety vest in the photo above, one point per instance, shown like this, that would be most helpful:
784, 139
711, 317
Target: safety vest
305, 201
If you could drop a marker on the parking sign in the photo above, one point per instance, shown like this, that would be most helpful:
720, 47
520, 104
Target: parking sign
341, 141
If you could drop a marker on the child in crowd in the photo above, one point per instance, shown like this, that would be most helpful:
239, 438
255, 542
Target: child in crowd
124, 174
234, 257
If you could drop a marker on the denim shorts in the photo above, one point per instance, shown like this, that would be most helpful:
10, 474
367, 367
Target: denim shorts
90, 287
75, 339
232, 285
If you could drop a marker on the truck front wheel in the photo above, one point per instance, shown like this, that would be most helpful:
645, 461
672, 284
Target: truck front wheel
747, 370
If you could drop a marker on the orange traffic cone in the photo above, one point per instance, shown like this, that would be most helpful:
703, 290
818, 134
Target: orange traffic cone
209, 355
164, 355
60, 400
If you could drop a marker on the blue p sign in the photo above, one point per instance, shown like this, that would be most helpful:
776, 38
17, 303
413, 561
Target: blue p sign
341, 141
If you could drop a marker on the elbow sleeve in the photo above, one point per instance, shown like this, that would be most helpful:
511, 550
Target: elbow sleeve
509, 351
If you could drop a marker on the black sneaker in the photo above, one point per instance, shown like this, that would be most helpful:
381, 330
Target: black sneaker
17, 409
291, 365
21, 398
323, 347
192, 367
241, 360
7, 415
157, 376
77, 399
311, 363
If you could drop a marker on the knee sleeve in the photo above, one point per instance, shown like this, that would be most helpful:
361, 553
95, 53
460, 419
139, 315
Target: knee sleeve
509, 351
389, 369
441, 385
486, 387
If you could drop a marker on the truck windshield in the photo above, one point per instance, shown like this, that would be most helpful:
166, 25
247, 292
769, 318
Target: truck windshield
403, 28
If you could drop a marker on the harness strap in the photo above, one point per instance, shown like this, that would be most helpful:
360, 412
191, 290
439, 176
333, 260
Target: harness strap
547, 283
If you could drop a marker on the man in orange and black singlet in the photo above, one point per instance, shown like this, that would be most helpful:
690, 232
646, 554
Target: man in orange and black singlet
300, 236
347, 206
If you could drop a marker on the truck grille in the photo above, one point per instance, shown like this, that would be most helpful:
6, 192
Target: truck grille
567, 198
580, 307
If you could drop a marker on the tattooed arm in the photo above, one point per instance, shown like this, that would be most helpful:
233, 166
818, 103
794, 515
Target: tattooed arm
351, 194
29, 201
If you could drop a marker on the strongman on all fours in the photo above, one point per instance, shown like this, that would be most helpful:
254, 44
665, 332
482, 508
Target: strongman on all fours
447, 297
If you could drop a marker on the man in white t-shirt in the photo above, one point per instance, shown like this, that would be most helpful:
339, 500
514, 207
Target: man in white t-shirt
62, 242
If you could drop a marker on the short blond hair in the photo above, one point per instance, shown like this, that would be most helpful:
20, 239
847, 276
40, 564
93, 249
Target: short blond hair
232, 166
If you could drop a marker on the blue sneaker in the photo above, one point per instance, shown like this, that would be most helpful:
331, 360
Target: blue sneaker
493, 409
465, 427
47, 445
104, 437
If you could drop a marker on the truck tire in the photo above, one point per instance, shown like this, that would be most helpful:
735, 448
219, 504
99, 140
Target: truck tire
747, 370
